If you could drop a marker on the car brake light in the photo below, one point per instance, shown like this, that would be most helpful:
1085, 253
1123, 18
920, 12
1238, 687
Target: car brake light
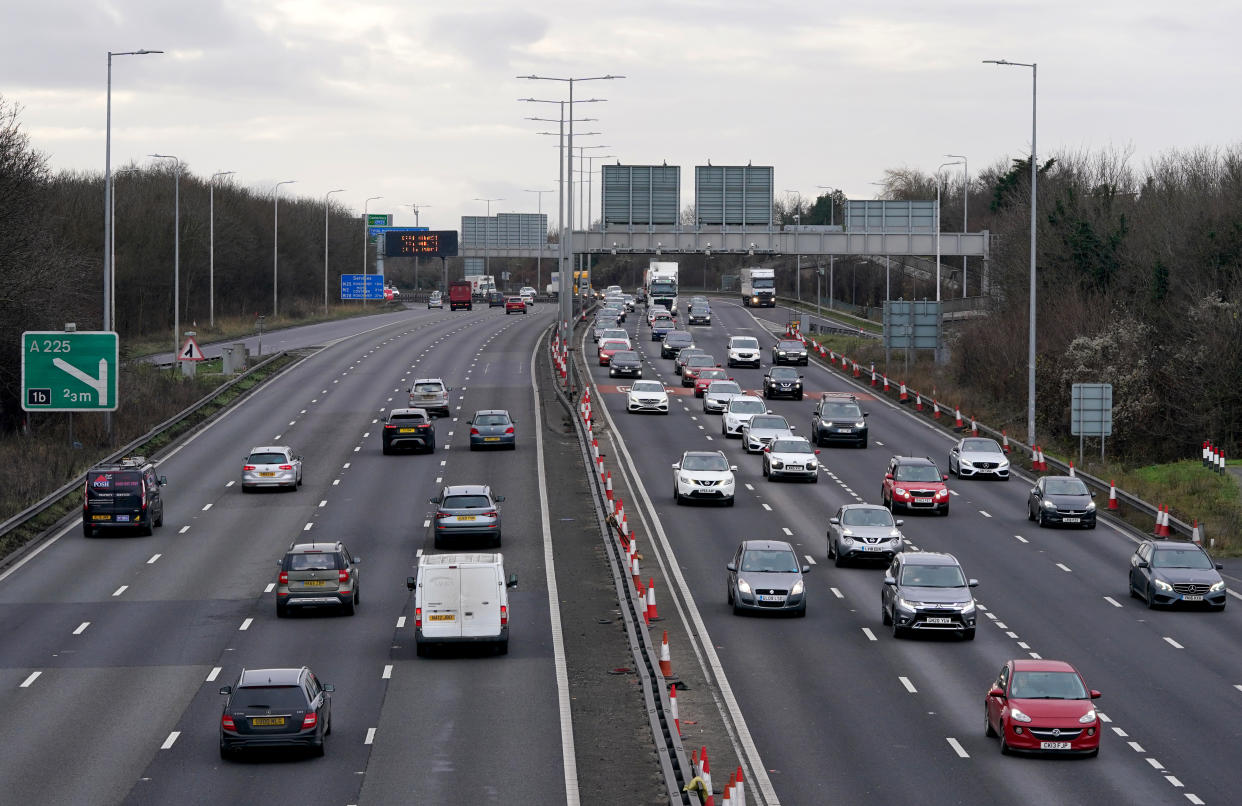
386, 427
342, 576
474, 432
310, 720
489, 514
286, 467
441, 515
509, 430
247, 467
284, 578
227, 723
418, 617
504, 615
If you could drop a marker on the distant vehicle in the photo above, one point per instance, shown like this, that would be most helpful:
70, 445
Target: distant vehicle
409, 428
762, 430
461, 598
612, 333
1172, 572
662, 284
684, 355
276, 708
515, 305
493, 428
625, 363
317, 575
758, 287
690, 369
467, 510
436, 300
766, 575
527, 294
647, 396
460, 295
391, 292
430, 394
480, 284
926, 591
1061, 500
704, 476
699, 315
674, 342
661, 325
789, 351
608, 347
124, 494
272, 466
495, 299
973, 457
1043, 706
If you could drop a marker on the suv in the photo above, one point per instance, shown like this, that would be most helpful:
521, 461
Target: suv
744, 350
782, 381
430, 394
838, 418
315, 575
467, 510
927, 591
124, 493
409, 428
674, 343
789, 351
864, 532
276, 708
914, 482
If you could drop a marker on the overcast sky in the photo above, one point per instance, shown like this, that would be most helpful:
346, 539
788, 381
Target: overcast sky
417, 100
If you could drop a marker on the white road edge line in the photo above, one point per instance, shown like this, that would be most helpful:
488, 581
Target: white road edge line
387, 673
120, 590
1173, 643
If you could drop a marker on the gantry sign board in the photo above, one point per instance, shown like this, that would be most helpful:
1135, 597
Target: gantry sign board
912, 324
73, 371
432, 243
1091, 410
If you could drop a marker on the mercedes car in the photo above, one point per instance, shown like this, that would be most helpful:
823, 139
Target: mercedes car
1164, 573
647, 396
975, 457
738, 412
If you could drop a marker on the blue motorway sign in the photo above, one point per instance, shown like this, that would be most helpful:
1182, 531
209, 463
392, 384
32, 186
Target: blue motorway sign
362, 286
375, 232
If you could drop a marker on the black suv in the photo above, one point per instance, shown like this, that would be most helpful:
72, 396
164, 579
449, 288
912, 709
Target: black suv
838, 418
925, 591
124, 494
782, 382
409, 428
276, 708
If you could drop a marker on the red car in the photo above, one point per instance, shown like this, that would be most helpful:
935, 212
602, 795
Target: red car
609, 346
914, 482
1043, 706
705, 377
515, 305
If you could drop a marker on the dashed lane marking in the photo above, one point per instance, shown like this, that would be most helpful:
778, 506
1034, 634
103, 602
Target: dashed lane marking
245, 625
905, 681
767, 507
370, 736
837, 593
1022, 539
810, 560
1173, 643
33, 677
183, 530
387, 673
171, 740
870, 635
154, 558
1112, 601
120, 590
206, 507
82, 628
957, 747
786, 530
401, 622
984, 513
1064, 568
271, 586
1136, 747
213, 674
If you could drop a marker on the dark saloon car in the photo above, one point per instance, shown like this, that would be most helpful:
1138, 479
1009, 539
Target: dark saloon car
409, 429
625, 364
789, 351
492, 428
495, 299
766, 575
1057, 500
1173, 572
674, 343
276, 708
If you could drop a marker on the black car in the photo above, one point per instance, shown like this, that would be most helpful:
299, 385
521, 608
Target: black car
1056, 500
699, 315
782, 382
625, 364
1173, 572
123, 495
674, 342
276, 708
495, 299
926, 591
789, 351
838, 418
410, 429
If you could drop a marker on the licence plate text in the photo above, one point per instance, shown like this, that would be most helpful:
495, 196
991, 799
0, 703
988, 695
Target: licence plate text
769, 597
491, 439
267, 473
406, 430
465, 517
1070, 520
101, 517
939, 620
922, 500
267, 721
313, 583
1054, 745
441, 617
1192, 597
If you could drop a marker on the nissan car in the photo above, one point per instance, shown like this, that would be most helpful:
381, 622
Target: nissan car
864, 532
782, 382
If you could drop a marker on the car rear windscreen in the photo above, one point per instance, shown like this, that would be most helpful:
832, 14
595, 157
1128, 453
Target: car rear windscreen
104, 486
312, 561
466, 502
267, 459
272, 698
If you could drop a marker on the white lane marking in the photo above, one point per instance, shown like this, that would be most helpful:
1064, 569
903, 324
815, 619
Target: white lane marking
837, 593
786, 530
765, 506
387, 673
984, 513
439, 479
1193, 799
323, 503
1112, 601
293, 422
810, 560
905, 681
952, 492
957, 747
303, 411
1064, 568
1154, 763
171, 740
214, 673
345, 466
401, 622
1120, 732
1104, 717
366, 434
231, 483
991, 616
426, 523
120, 590
1136, 747
1238, 686
154, 558
881, 444
183, 530
271, 586
370, 736
1012, 635
749, 486
245, 625
1000, 624
335, 482
1172, 779
709, 437
443, 462
82, 628
1021, 539
1024, 645
206, 507
307, 527
357, 448
870, 635
1035, 655
1173, 643
33, 677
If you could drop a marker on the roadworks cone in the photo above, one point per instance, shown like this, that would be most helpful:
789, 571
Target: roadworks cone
903, 396
974, 427
918, 401
1071, 472
672, 707
873, 375
666, 662
958, 425
1195, 535
886, 384
1004, 441
1207, 452
1220, 462
1112, 495
638, 583
608, 485
935, 409
652, 614
726, 799
739, 791
706, 767
857, 371
1158, 531
642, 597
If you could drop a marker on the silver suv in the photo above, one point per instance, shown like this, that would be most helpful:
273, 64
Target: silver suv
430, 394
863, 532
467, 510
927, 592
317, 575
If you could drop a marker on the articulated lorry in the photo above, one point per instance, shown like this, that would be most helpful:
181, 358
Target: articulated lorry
759, 287
481, 284
661, 284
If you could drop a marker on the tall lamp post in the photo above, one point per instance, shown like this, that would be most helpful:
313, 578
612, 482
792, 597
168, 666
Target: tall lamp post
211, 245
584, 174
965, 189
543, 239
939, 182
487, 259
417, 208
832, 265
176, 251
1030, 357
111, 325
798, 276
276, 240
707, 260
365, 205
326, 196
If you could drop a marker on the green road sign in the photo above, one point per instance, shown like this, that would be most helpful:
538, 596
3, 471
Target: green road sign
69, 371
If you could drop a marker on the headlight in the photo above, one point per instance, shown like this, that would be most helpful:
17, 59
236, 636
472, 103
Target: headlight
894, 533
797, 589
1091, 507
969, 607
1087, 718
846, 532
743, 585
1049, 505
780, 352
810, 464
904, 605
859, 424
1004, 465
1015, 714
684, 479
965, 462
777, 463
1162, 585
899, 490
1219, 586
798, 383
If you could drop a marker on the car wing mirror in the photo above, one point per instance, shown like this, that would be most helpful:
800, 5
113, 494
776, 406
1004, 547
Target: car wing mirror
900, 522
1034, 491
1093, 495
226, 689
866, 414
435, 499
731, 567
888, 476
834, 519
793, 428
409, 583
512, 583
996, 691
328, 687
888, 580
972, 583
1220, 567
732, 468
1095, 695
163, 480
677, 465
817, 451
767, 449
1143, 564
944, 476
806, 569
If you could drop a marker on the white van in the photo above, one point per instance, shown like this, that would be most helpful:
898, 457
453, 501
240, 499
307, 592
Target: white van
461, 598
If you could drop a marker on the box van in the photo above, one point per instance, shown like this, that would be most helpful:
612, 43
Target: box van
461, 598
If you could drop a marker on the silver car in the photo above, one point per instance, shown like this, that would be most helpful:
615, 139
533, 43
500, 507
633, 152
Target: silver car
719, 393
430, 394
978, 456
864, 532
761, 430
271, 466
766, 575
493, 428
435, 300
738, 412
791, 457
467, 510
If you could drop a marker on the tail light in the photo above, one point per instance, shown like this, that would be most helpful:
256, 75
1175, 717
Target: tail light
509, 430
504, 615
284, 578
474, 432
491, 513
442, 515
342, 576
247, 467
310, 720
386, 427
286, 467
227, 723
418, 617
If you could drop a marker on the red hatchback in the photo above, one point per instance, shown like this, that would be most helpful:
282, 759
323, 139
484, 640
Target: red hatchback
1043, 706
705, 377
609, 346
914, 482
515, 305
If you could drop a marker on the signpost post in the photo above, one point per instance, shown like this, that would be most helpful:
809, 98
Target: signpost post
1091, 413
69, 370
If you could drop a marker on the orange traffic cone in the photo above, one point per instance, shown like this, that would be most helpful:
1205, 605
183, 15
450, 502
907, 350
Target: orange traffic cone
1004, 441
958, 425
666, 662
706, 767
672, 706
652, 615
1112, 495
739, 791
918, 401
935, 409
1195, 535
886, 384
974, 427
857, 372
1071, 471
873, 375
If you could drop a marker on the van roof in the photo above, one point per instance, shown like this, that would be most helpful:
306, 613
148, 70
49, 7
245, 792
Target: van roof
428, 560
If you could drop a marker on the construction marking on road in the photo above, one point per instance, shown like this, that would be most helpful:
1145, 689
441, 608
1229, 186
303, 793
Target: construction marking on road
1136, 747
1172, 779
957, 747
82, 628
1154, 763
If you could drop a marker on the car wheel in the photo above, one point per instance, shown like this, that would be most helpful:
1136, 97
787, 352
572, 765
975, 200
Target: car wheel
437, 542
160, 520
832, 551
146, 530
1004, 746
884, 619
431, 446
502, 647
1088, 526
1150, 599
799, 396
946, 511
1030, 514
729, 503
387, 450
800, 612
282, 610
968, 635
1039, 519
837, 559
676, 494
988, 730
863, 444
765, 470
318, 749
420, 649
348, 608
737, 609
224, 752
898, 632
815, 478
1133, 591
88, 530
328, 732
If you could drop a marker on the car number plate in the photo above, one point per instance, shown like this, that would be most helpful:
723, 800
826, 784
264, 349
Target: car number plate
922, 500
1070, 520
845, 430
465, 517
313, 583
871, 548
441, 617
771, 597
122, 518
1054, 745
491, 439
793, 467
267, 721
267, 473
939, 620
1192, 597
406, 430
101, 517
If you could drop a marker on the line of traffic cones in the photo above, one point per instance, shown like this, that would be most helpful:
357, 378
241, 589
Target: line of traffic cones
1037, 460
1162, 522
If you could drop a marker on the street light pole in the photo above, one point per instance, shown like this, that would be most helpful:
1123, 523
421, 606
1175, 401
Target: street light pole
938, 182
112, 256
276, 242
416, 208
211, 248
543, 239
365, 205
1030, 358
707, 259
325, 246
487, 259
798, 275
176, 251
832, 208
965, 188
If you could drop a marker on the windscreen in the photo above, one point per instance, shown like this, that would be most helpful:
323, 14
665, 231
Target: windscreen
1047, 686
724, 388
712, 373
1180, 558
747, 406
783, 374
701, 361
315, 561
466, 502
622, 356
647, 386
840, 411
614, 344
917, 473
1065, 487
933, 576
763, 282
775, 561
768, 422
789, 345
491, 419
981, 446
792, 446
711, 461
427, 388
408, 419
744, 343
867, 517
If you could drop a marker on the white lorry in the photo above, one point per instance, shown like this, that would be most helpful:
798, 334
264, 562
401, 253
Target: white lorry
662, 284
461, 598
481, 284
758, 287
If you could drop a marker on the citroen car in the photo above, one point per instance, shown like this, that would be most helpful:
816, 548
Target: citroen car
317, 575
706, 376
766, 575
276, 708
782, 382
647, 396
914, 482
974, 457
790, 457
467, 510
271, 466
926, 592
625, 363
762, 429
703, 476
430, 394
718, 394
409, 428
493, 428
738, 412
789, 351
838, 418
1042, 706
744, 350
1174, 572
1061, 500
863, 532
